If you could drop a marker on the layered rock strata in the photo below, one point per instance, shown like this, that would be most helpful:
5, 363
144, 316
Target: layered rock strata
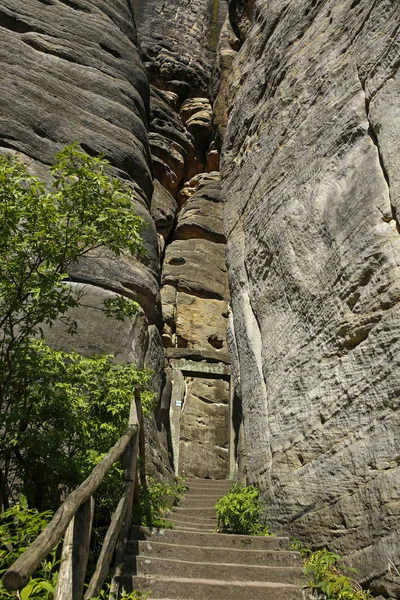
187, 208
72, 71
310, 176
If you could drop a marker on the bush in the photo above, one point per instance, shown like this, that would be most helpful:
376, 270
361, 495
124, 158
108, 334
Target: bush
19, 527
240, 512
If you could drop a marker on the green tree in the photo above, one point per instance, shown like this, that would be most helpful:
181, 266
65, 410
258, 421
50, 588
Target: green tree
43, 232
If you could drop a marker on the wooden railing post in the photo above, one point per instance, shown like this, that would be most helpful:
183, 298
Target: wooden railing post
121, 520
75, 554
75, 518
130, 476
19, 572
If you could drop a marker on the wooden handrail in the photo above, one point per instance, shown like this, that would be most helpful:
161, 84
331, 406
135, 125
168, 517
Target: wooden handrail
18, 574
118, 530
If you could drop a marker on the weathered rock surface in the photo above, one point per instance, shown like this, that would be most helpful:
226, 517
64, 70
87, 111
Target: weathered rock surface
195, 286
175, 157
310, 177
175, 40
72, 72
201, 216
196, 114
198, 266
228, 46
204, 430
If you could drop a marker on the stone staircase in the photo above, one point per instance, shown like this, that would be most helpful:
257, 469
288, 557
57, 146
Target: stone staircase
191, 562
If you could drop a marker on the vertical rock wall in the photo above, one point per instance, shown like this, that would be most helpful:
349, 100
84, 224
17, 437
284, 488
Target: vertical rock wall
72, 71
311, 182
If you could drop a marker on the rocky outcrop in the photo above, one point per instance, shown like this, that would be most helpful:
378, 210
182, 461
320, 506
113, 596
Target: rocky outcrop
72, 72
311, 181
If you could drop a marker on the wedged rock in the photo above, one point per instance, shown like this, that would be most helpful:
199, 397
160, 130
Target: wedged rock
212, 159
196, 266
175, 156
196, 114
310, 172
163, 209
193, 332
201, 216
190, 187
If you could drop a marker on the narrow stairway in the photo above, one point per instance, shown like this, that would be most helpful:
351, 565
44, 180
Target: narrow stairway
191, 562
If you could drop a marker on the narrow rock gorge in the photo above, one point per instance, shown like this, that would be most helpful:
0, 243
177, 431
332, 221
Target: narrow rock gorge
262, 140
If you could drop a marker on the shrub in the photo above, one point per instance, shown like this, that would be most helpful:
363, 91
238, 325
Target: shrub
240, 512
19, 526
43, 232
326, 575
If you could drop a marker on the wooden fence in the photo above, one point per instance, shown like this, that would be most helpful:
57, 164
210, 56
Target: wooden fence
74, 519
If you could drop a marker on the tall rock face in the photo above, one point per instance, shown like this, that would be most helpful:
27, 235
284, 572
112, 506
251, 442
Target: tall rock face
72, 71
310, 177
178, 39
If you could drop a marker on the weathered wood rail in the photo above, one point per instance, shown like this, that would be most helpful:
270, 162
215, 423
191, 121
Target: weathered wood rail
74, 519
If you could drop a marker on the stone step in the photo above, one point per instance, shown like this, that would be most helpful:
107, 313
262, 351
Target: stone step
208, 494
193, 525
193, 529
196, 501
209, 485
211, 482
271, 558
148, 565
216, 540
208, 589
188, 519
214, 488
207, 512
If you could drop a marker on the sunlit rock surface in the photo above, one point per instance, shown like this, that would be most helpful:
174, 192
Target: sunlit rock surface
311, 182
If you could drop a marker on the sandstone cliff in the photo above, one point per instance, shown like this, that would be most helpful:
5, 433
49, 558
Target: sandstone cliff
301, 100
72, 71
310, 173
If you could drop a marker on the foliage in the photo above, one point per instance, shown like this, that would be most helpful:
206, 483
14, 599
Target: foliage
42, 234
326, 575
298, 546
240, 512
156, 501
73, 410
19, 526
134, 595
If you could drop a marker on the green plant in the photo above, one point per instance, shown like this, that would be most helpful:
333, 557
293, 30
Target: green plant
43, 232
298, 546
19, 526
326, 574
156, 501
73, 410
240, 512
123, 595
